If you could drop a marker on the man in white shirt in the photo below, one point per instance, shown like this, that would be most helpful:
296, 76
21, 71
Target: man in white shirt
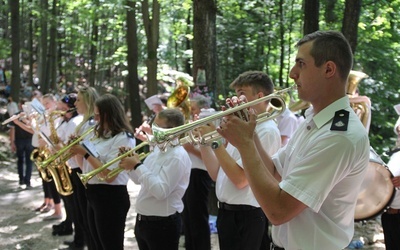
164, 177
309, 189
241, 223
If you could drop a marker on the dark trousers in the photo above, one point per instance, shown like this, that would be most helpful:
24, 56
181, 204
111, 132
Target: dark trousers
391, 230
158, 234
24, 150
195, 214
241, 229
53, 192
79, 211
107, 208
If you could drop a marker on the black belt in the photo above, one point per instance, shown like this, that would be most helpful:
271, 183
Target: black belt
226, 206
275, 247
141, 217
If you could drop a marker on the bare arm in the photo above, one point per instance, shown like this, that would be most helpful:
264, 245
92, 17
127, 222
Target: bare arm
278, 205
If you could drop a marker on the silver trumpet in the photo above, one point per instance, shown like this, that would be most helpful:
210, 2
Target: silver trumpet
163, 137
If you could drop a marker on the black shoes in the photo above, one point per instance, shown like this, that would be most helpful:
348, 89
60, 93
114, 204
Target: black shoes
62, 229
72, 245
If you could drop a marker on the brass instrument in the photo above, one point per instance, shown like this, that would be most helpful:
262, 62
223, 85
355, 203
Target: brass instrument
58, 170
180, 98
63, 154
360, 104
86, 177
163, 137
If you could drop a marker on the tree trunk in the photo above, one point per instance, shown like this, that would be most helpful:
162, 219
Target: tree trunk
132, 82
42, 65
4, 19
30, 45
15, 50
151, 27
205, 45
93, 46
52, 56
311, 14
350, 22
330, 15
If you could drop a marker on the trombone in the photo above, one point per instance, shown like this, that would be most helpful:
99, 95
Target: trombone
44, 164
165, 136
86, 177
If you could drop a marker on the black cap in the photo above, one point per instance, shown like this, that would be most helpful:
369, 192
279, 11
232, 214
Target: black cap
69, 100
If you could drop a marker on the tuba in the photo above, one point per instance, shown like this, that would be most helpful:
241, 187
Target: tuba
180, 98
360, 104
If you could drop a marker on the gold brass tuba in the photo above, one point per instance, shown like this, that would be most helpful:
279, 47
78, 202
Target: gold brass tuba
360, 104
180, 98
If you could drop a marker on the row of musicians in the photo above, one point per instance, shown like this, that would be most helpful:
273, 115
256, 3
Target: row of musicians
173, 181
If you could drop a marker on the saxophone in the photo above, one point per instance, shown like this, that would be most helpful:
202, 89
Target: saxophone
59, 171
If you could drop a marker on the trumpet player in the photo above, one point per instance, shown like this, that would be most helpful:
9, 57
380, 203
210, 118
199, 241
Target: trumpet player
195, 213
164, 177
241, 222
21, 143
309, 188
107, 200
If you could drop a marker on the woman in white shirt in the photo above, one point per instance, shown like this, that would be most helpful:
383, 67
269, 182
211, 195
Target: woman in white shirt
108, 200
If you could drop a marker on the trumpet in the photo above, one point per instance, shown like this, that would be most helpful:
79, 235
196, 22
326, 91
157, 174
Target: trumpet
62, 153
86, 177
162, 136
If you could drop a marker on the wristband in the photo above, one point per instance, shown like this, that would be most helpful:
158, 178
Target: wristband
216, 144
137, 165
86, 156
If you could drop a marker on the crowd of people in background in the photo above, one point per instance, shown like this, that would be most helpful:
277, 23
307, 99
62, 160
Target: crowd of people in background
282, 172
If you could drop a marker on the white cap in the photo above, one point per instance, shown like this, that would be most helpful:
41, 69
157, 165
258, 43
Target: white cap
153, 100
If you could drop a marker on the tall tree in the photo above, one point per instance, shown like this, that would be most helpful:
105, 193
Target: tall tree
94, 43
132, 82
43, 45
350, 22
151, 28
311, 16
52, 53
15, 38
204, 44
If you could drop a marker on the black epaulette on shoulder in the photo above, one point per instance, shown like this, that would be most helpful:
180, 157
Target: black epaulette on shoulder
340, 120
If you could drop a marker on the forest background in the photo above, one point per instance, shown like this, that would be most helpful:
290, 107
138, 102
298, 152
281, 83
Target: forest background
131, 48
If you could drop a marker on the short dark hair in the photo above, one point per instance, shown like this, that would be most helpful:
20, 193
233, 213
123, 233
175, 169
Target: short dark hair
173, 117
330, 46
258, 80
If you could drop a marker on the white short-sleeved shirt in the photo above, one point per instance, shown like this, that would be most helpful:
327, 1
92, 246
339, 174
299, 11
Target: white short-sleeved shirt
108, 149
226, 191
197, 163
65, 130
324, 170
287, 123
164, 177
394, 167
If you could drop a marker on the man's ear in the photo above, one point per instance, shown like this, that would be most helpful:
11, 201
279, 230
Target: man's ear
330, 69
